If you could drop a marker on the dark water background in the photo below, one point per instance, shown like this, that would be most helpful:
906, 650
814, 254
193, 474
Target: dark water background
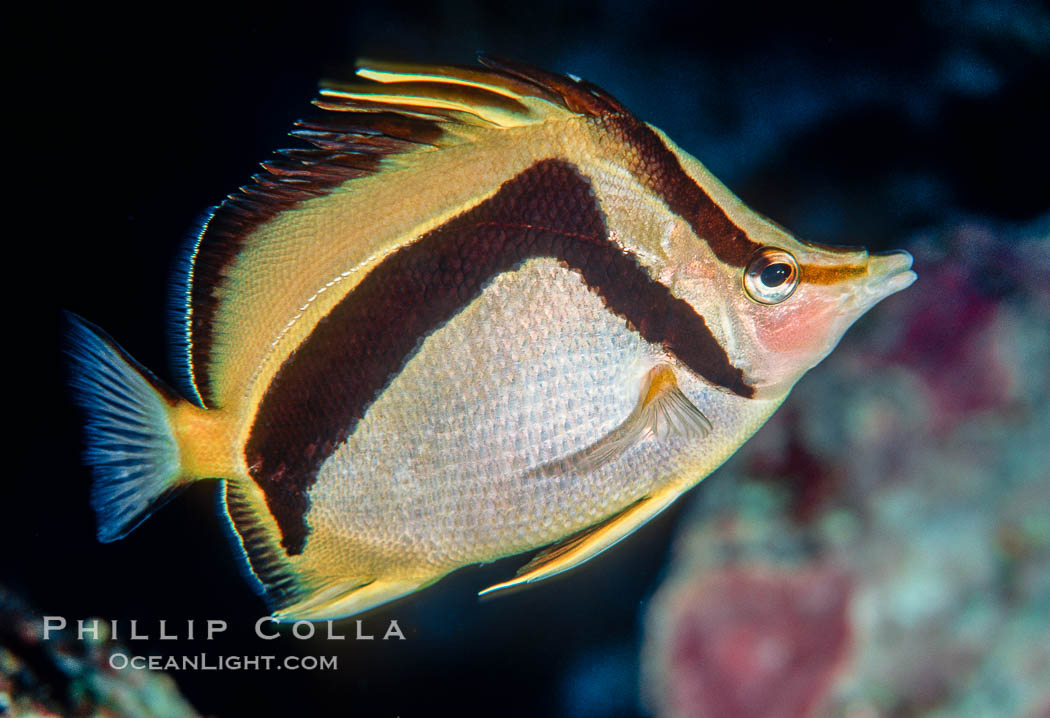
847, 125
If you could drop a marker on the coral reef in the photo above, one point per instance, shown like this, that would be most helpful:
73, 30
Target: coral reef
754, 642
62, 676
882, 546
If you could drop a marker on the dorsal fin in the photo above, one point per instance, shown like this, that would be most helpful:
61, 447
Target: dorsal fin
575, 94
393, 112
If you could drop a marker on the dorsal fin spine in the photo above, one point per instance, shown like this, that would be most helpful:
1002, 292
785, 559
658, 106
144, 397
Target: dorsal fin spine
392, 77
364, 127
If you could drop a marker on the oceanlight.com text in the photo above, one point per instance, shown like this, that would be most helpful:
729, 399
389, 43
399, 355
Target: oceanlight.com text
204, 662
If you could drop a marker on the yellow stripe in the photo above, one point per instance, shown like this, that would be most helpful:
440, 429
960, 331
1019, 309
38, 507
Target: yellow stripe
393, 77
500, 118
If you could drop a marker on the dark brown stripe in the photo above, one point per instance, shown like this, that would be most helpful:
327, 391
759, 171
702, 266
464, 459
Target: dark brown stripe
657, 167
574, 95
347, 145
352, 138
325, 387
652, 162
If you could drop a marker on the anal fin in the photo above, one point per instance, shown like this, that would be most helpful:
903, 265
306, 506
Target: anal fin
257, 545
345, 598
586, 544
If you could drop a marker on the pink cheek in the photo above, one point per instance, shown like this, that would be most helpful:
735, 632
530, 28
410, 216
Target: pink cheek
795, 329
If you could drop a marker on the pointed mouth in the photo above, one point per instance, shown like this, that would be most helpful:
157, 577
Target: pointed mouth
888, 273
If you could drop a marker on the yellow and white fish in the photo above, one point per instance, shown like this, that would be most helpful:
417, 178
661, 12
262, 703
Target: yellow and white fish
488, 311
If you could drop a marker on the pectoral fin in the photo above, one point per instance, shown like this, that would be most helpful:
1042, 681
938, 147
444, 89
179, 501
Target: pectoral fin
663, 412
586, 544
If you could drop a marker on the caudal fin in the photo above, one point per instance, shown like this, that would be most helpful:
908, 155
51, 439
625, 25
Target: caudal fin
131, 446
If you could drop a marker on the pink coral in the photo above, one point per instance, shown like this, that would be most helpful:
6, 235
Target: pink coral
949, 331
755, 643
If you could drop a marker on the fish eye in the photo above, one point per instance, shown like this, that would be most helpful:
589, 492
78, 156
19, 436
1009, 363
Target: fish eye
771, 277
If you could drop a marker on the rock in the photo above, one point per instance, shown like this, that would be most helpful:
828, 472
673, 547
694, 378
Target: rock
62, 676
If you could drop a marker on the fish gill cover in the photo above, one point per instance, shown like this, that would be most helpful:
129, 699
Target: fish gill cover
916, 126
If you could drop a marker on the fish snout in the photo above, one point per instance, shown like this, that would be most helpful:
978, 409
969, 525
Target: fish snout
888, 273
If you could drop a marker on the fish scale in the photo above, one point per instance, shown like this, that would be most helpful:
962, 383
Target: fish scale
593, 398
490, 311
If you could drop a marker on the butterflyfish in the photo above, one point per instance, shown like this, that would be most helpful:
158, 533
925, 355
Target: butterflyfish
480, 311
